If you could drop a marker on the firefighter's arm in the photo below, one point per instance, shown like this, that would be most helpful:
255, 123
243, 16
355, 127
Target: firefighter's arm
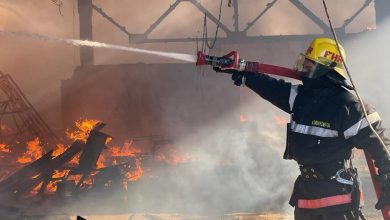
361, 136
278, 92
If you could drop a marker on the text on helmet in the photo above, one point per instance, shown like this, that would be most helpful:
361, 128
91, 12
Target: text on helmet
333, 56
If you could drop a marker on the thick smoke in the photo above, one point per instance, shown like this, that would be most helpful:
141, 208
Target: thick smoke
236, 168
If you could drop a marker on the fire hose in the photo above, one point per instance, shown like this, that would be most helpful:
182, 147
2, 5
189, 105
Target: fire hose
232, 61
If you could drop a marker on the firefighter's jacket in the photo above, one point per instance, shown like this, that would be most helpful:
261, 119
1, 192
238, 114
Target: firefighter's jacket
326, 124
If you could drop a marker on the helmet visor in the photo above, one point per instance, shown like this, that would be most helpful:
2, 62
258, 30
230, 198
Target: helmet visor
308, 68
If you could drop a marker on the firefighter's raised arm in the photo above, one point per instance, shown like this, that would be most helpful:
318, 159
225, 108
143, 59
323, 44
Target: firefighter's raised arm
278, 92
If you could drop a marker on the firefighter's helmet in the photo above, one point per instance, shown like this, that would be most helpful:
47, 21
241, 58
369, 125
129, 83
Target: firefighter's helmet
324, 55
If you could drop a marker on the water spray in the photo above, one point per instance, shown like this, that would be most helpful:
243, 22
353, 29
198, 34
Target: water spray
94, 44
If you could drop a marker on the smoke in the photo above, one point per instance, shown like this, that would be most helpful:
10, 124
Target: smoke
368, 63
238, 168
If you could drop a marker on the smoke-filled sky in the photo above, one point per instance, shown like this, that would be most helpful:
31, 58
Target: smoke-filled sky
38, 67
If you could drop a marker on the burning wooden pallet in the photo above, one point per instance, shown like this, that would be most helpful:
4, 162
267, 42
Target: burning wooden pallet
52, 169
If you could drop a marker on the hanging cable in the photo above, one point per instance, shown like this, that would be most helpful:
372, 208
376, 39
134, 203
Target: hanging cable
350, 78
205, 35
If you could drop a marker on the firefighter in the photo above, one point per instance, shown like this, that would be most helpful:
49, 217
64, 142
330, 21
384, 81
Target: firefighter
327, 122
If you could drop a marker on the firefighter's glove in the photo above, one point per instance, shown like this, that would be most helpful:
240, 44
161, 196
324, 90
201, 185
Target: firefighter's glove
384, 182
237, 76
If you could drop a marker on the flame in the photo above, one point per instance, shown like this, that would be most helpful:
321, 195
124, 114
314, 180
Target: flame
280, 120
84, 127
60, 174
100, 162
75, 160
75, 178
36, 189
137, 173
127, 150
108, 140
111, 156
52, 185
33, 152
60, 148
4, 148
174, 158
243, 118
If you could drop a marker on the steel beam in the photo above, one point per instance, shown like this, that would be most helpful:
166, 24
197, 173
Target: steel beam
110, 19
85, 14
209, 15
349, 20
162, 17
235, 39
310, 15
268, 6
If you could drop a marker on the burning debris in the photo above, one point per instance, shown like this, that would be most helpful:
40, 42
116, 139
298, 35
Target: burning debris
87, 164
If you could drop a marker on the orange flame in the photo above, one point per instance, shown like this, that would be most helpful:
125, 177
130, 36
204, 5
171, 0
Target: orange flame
100, 162
60, 148
75, 160
52, 186
4, 148
84, 127
33, 152
36, 189
137, 173
126, 151
174, 158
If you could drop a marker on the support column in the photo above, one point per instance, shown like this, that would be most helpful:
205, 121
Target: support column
85, 15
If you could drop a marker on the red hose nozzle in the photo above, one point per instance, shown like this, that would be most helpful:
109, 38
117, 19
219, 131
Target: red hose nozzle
229, 61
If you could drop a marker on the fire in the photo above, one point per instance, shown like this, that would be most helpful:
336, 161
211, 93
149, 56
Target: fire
112, 156
36, 189
137, 173
84, 127
60, 148
33, 152
126, 151
75, 160
174, 158
4, 148
52, 186
100, 162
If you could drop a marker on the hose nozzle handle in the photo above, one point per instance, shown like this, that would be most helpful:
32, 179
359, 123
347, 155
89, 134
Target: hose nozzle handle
229, 61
